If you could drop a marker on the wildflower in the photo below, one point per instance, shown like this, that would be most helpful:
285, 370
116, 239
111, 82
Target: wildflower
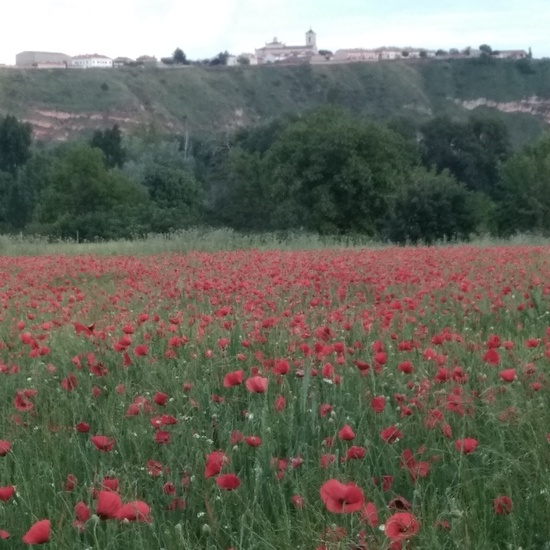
39, 533
401, 526
340, 498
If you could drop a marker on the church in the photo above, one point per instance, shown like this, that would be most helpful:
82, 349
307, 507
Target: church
276, 51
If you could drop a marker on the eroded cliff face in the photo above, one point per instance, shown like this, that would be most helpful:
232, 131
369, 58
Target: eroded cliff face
53, 125
534, 105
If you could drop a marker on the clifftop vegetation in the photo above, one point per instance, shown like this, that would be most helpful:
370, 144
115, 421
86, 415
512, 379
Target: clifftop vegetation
203, 101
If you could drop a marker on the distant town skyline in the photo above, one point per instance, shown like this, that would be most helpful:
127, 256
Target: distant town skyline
156, 27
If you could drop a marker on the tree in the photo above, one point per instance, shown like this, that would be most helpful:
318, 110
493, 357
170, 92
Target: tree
431, 207
110, 142
15, 143
471, 151
220, 59
179, 57
165, 171
331, 173
440, 52
423, 54
524, 191
84, 196
243, 60
485, 49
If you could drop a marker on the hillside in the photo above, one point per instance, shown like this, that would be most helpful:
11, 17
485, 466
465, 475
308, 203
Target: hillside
63, 103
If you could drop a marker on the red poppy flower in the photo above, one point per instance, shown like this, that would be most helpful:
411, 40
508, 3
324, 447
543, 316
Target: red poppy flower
4, 534
256, 384
141, 350
253, 440
109, 484
355, 452
6, 492
405, 367
228, 482
491, 356
297, 501
82, 512
235, 437
401, 526
154, 468
103, 443
176, 504
108, 504
502, 505
162, 437
169, 488
280, 403
5, 447
135, 511
339, 498
21, 402
390, 434
160, 398
378, 404
508, 375
346, 433
282, 366
466, 446
82, 427
69, 383
234, 378
326, 460
70, 482
39, 533
214, 463
399, 503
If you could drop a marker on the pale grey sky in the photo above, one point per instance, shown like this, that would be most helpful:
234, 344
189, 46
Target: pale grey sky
202, 28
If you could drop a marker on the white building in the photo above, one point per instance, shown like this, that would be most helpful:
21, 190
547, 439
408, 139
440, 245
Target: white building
277, 51
42, 60
91, 61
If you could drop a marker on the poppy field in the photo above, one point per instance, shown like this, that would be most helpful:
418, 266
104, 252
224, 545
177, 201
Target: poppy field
332, 399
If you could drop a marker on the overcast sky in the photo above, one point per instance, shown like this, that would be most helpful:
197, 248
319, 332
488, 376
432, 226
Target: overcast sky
202, 28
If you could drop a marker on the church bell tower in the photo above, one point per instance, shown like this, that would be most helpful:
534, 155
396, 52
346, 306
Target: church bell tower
311, 40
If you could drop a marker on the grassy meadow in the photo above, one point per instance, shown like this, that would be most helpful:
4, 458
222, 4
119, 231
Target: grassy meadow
211, 391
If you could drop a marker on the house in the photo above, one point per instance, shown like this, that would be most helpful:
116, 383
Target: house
355, 54
147, 60
32, 59
276, 51
391, 52
91, 61
511, 54
122, 61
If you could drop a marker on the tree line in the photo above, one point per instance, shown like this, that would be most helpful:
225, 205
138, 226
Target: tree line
325, 171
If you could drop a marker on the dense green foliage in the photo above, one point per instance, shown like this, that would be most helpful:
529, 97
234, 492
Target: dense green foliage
326, 172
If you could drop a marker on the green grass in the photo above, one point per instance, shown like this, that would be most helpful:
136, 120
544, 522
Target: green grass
213, 240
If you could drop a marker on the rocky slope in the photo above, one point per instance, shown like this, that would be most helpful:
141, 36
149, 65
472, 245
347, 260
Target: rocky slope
63, 104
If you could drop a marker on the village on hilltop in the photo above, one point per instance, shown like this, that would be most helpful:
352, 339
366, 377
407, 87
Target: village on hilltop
272, 53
